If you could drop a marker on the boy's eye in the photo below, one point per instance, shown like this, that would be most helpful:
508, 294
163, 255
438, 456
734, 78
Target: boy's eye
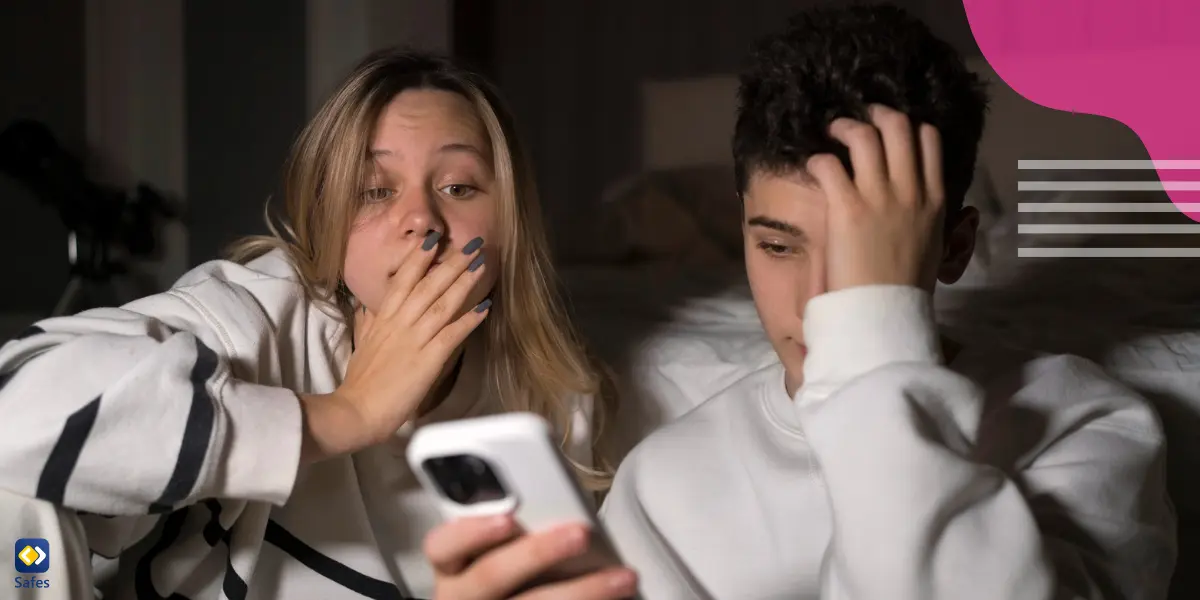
458, 190
376, 194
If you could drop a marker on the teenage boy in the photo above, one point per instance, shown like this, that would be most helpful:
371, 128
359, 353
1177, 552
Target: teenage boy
876, 459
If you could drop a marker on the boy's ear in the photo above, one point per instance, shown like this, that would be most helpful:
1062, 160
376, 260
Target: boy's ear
960, 245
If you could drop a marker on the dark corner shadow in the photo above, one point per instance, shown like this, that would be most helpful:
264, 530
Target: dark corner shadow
1092, 307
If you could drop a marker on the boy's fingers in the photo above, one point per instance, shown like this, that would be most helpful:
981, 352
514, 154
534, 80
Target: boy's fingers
900, 148
867, 155
831, 176
931, 164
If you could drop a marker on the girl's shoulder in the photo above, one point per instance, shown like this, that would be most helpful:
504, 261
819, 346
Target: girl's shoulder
264, 296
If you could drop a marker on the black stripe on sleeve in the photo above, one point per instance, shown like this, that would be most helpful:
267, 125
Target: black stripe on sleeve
143, 578
233, 585
213, 531
330, 568
196, 434
52, 485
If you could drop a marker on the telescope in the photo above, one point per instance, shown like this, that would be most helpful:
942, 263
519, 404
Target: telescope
105, 225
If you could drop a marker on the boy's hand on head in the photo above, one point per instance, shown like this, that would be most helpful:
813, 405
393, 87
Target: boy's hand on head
882, 224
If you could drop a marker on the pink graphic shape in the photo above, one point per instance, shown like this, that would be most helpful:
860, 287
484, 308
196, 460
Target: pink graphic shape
1134, 61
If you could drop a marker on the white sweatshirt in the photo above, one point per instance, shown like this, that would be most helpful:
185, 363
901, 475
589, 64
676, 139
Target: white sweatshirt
174, 421
892, 477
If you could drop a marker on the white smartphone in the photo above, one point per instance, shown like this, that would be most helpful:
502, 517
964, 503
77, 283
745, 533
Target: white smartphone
508, 464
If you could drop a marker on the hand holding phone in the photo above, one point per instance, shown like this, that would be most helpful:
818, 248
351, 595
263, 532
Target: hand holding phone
518, 524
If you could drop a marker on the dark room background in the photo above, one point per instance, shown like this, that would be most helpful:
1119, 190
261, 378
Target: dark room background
202, 98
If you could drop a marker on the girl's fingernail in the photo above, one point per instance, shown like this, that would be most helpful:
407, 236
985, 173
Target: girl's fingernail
482, 306
475, 264
431, 240
473, 245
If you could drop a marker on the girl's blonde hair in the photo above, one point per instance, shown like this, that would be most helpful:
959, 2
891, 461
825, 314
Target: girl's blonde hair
535, 358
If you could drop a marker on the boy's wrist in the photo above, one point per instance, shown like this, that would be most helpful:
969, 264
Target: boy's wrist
854, 331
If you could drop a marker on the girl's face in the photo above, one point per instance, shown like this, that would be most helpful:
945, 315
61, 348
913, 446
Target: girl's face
431, 170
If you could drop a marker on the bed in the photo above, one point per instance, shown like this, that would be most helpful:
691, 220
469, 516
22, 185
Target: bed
672, 314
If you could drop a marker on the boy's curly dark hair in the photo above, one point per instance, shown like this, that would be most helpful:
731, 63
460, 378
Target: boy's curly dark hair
834, 62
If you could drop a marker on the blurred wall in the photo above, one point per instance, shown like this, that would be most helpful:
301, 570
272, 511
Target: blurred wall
255, 73
246, 100
41, 77
572, 73
202, 98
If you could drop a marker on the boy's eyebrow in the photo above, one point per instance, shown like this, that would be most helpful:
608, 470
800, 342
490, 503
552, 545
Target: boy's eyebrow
777, 225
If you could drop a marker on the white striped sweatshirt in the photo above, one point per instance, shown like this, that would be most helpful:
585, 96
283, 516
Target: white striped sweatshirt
165, 435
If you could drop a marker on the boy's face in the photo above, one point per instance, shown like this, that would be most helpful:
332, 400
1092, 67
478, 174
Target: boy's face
784, 230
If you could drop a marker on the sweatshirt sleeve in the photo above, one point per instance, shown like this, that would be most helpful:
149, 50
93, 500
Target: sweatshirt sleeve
941, 504
134, 410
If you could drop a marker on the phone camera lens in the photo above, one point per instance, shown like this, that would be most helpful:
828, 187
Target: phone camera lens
476, 466
465, 479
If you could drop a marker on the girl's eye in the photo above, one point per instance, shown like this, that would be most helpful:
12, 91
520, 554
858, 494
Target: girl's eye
458, 190
376, 194
774, 249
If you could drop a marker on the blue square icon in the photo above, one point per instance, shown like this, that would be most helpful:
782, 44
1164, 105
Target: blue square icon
32, 555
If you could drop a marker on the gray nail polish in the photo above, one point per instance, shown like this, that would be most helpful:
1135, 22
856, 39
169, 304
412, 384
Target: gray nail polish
483, 305
475, 264
473, 245
431, 240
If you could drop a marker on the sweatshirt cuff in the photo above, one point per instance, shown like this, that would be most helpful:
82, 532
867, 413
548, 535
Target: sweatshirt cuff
854, 331
261, 456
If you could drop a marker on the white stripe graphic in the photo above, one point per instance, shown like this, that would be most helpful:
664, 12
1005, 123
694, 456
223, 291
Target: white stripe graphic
1107, 207
1106, 229
1108, 252
1115, 165
1108, 186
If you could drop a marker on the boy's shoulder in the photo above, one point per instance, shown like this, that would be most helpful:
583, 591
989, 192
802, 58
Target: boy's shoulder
1049, 379
1062, 389
1052, 392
